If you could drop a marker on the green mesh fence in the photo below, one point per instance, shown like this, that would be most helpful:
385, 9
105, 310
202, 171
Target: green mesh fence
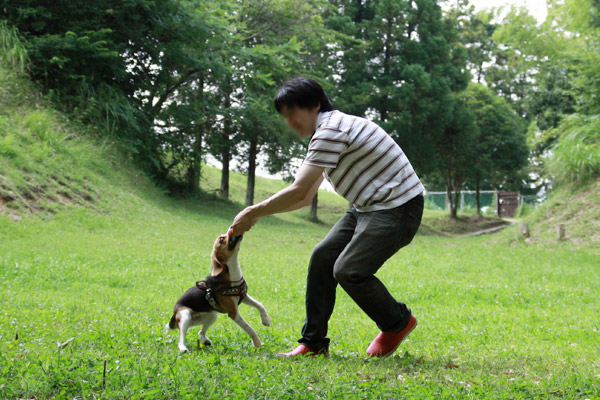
466, 202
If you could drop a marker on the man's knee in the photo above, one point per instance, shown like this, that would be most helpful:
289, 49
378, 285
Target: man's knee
343, 272
322, 257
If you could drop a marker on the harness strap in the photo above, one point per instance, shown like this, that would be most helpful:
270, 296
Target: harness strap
238, 290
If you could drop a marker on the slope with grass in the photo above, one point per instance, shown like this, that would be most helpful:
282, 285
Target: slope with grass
576, 207
49, 163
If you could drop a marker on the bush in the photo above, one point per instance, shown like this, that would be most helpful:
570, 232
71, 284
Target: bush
576, 155
12, 51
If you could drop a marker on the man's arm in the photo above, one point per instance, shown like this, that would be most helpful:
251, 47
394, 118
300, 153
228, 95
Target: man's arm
308, 199
298, 194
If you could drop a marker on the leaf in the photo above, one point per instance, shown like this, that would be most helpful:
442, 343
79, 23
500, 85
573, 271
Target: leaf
61, 345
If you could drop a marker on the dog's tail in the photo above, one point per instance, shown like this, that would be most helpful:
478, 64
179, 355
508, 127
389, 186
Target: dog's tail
173, 322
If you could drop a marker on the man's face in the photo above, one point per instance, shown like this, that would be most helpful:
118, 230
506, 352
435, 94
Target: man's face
302, 120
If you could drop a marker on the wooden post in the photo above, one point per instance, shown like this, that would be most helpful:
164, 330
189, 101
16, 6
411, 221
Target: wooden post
524, 228
560, 231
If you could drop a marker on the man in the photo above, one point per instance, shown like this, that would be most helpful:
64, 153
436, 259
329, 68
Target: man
368, 168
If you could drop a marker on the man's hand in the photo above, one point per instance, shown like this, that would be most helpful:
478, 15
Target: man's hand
244, 221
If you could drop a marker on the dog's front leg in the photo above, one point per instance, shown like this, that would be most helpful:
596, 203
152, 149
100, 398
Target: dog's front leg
234, 315
264, 317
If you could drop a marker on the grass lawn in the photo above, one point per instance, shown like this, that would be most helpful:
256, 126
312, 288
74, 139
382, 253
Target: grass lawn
499, 318
80, 288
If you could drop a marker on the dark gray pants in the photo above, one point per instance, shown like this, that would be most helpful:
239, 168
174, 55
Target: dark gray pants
353, 250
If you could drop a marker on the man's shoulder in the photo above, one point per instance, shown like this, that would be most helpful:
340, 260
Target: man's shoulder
339, 121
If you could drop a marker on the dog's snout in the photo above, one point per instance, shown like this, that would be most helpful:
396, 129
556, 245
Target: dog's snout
234, 240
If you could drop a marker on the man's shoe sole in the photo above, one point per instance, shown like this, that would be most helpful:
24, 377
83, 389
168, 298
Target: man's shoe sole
313, 354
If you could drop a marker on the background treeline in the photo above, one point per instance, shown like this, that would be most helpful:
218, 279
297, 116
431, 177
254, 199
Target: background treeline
477, 100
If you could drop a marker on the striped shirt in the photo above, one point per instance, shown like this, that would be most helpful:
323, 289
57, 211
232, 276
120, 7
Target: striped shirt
363, 163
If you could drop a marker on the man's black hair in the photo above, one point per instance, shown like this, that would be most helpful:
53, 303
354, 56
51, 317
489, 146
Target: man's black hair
302, 92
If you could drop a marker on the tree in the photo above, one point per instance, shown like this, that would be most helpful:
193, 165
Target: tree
278, 39
120, 64
456, 151
475, 31
401, 71
500, 147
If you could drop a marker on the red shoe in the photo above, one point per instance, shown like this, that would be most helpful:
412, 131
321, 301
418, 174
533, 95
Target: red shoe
387, 342
302, 350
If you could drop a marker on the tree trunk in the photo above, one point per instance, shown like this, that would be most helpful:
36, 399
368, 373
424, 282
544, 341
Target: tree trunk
477, 203
251, 171
453, 186
313, 208
386, 65
455, 203
449, 197
194, 183
225, 151
225, 172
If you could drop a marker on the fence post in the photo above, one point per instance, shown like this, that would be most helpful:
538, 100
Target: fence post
560, 231
524, 228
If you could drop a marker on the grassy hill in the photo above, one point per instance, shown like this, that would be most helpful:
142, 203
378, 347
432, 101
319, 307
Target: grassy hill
578, 208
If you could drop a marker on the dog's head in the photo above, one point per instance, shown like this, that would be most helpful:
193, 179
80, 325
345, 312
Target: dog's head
224, 248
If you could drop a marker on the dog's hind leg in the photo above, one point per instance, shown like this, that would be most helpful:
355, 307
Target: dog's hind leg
264, 317
207, 321
245, 326
185, 319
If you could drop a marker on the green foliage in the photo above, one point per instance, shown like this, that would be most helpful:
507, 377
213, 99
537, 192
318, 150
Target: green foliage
475, 31
575, 157
500, 145
399, 64
175, 80
99, 60
12, 50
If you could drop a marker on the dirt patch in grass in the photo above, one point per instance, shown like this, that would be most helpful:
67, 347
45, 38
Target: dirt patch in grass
445, 225
15, 202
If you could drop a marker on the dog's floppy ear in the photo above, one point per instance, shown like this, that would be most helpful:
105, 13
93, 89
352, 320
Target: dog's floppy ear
217, 266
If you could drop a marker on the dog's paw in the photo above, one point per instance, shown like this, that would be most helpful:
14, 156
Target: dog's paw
257, 343
266, 321
207, 342
183, 348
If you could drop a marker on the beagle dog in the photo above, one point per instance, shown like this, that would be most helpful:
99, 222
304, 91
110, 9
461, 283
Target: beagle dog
221, 292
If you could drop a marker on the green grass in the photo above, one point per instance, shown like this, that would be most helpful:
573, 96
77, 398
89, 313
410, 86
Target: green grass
518, 321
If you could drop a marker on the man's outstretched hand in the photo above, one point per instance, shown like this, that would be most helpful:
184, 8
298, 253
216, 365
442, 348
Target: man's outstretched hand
244, 221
